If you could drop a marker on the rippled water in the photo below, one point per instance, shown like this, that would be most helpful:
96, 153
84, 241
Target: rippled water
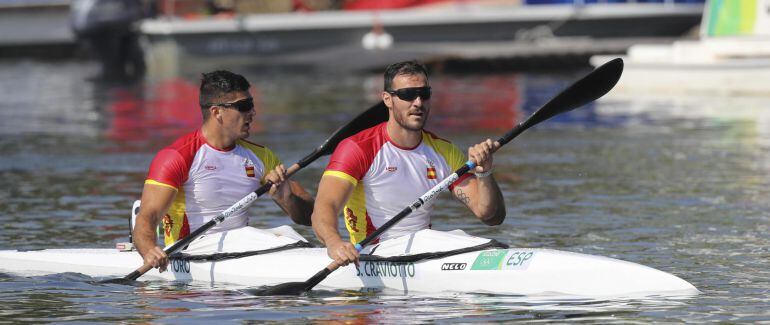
678, 185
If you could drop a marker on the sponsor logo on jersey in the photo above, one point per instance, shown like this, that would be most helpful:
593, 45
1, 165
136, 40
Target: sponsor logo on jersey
250, 171
391, 169
210, 167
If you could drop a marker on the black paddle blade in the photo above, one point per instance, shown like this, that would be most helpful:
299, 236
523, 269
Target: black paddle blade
283, 289
123, 281
591, 87
293, 288
369, 118
126, 280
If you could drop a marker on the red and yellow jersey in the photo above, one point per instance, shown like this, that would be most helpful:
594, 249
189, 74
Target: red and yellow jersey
208, 181
387, 178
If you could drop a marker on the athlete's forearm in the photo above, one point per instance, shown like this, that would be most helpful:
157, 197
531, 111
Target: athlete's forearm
299, 206
325, 225
144, 233
332, 194
490, 206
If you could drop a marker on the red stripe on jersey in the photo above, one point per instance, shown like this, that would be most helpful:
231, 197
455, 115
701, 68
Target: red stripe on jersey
355, 154
185, 228
370, 229
172, 164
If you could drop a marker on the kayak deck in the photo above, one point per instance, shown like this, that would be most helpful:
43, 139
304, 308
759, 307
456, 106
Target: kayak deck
515, 271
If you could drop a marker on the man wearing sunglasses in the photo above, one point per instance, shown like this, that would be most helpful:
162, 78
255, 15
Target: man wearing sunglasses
206, 171
378, 172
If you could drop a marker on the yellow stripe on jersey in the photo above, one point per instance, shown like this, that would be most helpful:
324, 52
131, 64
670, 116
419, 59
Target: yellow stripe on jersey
451, 153
342, 175
355, 215
269, 159
173, 221
154, 182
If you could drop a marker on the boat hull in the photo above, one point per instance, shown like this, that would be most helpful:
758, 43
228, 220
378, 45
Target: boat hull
514, 271
725, 78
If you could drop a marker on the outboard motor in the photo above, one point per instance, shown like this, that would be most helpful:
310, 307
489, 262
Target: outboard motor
110, 29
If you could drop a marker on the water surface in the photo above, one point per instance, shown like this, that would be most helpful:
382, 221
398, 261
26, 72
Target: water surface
678, 185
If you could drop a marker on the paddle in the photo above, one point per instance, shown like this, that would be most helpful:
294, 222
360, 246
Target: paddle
371, 117
594, 85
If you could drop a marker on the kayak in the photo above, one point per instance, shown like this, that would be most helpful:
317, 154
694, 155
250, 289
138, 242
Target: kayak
425, 262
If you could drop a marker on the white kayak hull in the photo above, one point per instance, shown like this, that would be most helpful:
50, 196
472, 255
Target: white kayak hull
512, 271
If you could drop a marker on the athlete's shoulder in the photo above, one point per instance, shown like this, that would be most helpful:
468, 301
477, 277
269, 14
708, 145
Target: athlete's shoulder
188, 144
371, 134
254, 147
247, 143
433, 137
171, 164
446, 148
355, 154
268, 157
368, 141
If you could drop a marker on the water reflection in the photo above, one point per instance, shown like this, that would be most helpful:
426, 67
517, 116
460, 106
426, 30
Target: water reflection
48, 99
743, 114
165, 110
73, 297
476, 103
130, 113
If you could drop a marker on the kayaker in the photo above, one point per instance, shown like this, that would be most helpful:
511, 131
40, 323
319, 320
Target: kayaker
206, 171
379, 171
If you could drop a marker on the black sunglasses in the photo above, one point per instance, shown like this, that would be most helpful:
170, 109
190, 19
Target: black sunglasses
244, 105
410, 94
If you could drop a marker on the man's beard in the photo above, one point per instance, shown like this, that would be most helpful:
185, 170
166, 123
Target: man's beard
402, 122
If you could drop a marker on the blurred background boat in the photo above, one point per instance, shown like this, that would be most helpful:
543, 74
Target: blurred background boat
362, 35
36, 27
126, 35
732, 56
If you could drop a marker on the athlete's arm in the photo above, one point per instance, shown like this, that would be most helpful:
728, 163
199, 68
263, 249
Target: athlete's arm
290, 196
333, 192
482, 194
156, 199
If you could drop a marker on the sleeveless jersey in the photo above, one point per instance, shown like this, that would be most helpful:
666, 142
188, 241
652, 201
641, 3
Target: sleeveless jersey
387, 178
208, 181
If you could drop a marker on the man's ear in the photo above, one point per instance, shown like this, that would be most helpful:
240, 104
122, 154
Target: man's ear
215, 112
387, 98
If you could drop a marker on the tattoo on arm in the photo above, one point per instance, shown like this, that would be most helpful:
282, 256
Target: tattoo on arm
462, 196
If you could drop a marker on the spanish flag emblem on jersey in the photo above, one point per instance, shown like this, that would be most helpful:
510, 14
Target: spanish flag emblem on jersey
250, 171
431, 173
